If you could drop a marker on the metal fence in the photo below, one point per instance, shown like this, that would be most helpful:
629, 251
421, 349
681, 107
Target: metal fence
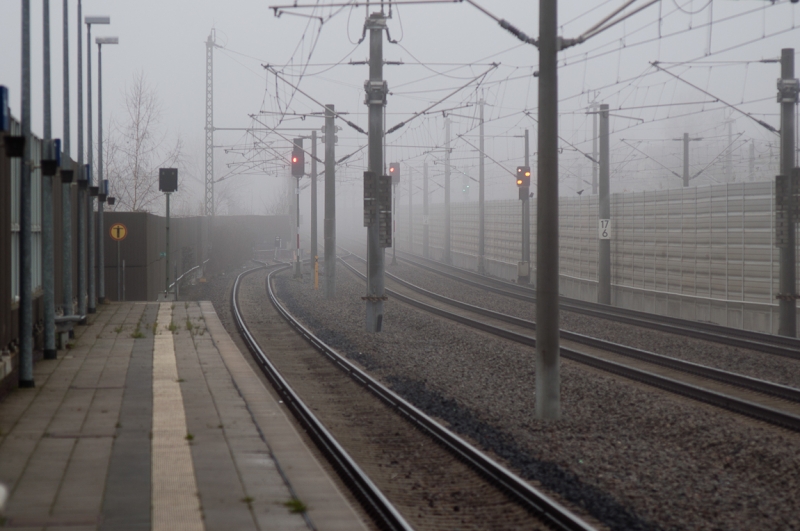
704, 253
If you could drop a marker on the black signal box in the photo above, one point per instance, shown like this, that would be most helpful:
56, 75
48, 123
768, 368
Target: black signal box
168, 180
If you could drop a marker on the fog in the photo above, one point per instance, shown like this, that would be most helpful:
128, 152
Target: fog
719, 47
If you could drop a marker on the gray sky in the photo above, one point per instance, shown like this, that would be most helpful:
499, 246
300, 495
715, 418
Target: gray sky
717, 42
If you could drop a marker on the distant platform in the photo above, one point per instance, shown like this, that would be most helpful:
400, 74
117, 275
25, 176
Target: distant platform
154, 419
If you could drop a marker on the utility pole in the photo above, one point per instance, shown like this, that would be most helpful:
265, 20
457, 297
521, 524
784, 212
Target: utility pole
548, 379
425, 221
330, 203
524, 273
298, 266
48, 260
25, 274
209, 195
314, 194
481, 199
66, 187
447, 257
604, 229
376, 89
752, 168
787, 297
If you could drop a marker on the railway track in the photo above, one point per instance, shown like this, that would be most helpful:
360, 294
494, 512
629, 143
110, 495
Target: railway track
490, 481
766, 401
771, 344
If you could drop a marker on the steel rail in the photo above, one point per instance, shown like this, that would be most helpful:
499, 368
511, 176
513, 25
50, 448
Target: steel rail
771, 344
744, 407
532, 499
373, 500
754, 384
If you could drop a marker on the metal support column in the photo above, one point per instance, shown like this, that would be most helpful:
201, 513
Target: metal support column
48, 259
298, 266
209, 195
604, 231
787, 298
548, 380
166, 276
66, 188
25, 273
425, 222
685, 160
376, 99
595, 155
313, 195
524, 277
481, 199
410, 216
447, 257
330, 203
80, 172
394, 225
92, 267
101, 272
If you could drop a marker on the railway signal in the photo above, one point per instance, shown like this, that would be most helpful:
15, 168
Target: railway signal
394, 171
523, 181
298, 163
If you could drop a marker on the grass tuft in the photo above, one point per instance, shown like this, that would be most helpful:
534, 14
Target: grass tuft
295, 506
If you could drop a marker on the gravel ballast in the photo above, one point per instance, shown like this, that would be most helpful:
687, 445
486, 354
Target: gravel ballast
751, 363
632, 456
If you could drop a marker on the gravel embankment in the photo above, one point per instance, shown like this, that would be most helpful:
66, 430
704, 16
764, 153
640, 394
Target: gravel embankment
633, 456
751, 363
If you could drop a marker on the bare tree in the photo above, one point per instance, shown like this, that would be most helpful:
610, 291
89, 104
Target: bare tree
138, 147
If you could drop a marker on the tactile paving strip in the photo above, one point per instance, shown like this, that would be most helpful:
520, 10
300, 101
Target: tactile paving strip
175, 503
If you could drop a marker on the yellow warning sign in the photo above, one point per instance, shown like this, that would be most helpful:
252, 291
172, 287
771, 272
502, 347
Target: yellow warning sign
118, 232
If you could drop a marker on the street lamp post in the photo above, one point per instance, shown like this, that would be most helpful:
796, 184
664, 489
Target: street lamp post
101, 296
92, 303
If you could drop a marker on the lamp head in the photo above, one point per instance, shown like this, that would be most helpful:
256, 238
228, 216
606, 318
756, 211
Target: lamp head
97, 20
107, 40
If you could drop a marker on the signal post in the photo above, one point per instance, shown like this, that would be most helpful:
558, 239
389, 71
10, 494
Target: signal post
524, 185
298, 168
394, 173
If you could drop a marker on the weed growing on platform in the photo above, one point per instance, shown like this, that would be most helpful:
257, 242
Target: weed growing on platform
137, 333
155, 327
295, 506
186, 305
118, 329
249, 501
189, 437
189, 325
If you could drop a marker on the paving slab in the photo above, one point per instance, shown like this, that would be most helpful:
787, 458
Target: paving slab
153, 419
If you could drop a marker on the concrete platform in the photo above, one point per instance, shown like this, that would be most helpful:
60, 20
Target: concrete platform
153, 419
